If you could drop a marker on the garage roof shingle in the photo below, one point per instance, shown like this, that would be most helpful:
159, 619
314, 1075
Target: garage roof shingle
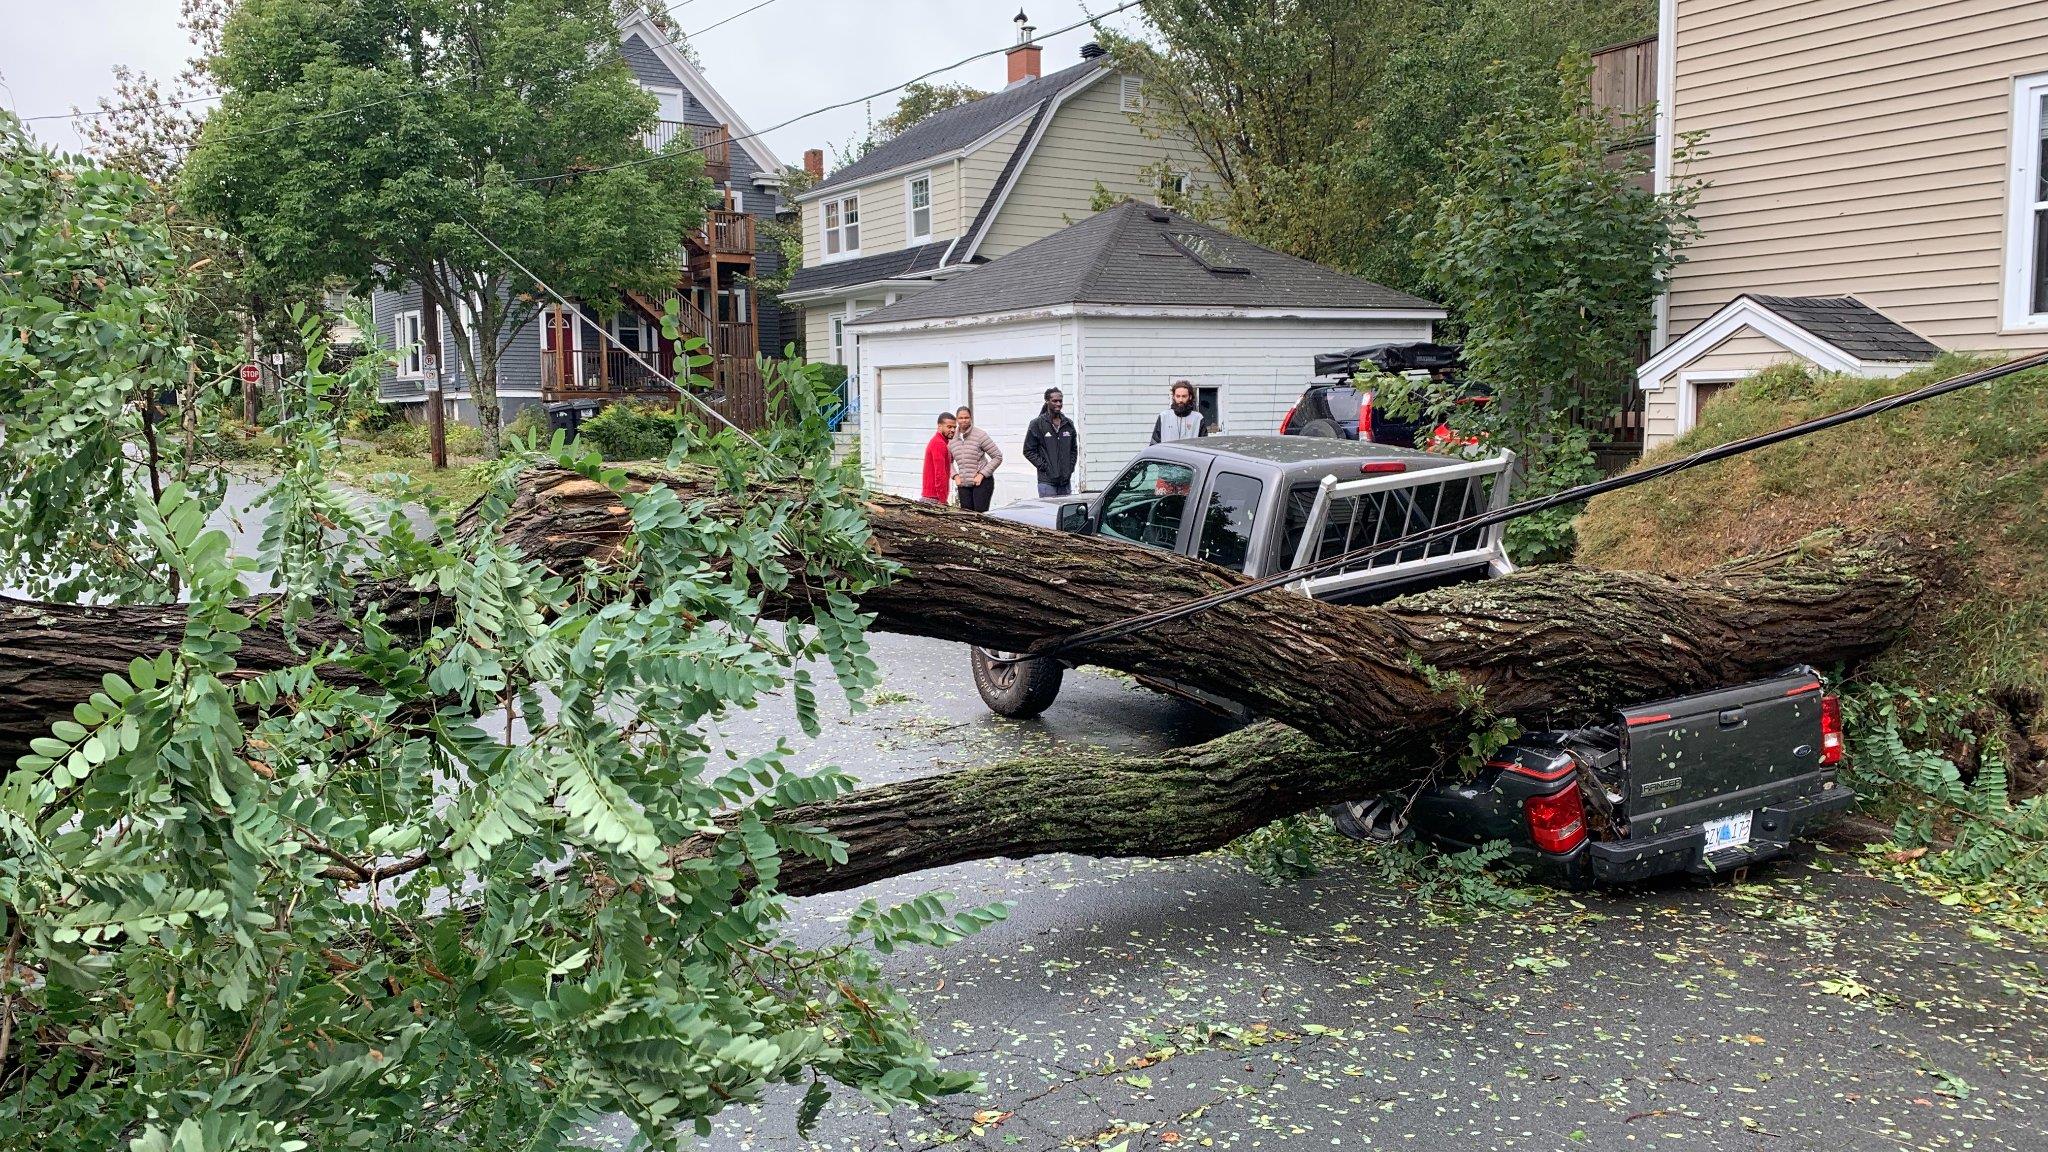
1138, 254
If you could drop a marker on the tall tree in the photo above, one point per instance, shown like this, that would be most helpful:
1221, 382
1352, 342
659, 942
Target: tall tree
374, 141
1323, 118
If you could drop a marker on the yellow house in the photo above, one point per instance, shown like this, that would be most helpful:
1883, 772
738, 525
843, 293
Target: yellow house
1876, 188
975, 182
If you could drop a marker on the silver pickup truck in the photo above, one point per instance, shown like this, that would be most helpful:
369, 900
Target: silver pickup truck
1700, 784
1264, 504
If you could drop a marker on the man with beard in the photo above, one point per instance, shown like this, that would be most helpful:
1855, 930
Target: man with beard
1181, 420
938, 462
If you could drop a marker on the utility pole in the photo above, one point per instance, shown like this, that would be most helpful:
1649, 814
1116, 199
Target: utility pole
250, 389
437, 426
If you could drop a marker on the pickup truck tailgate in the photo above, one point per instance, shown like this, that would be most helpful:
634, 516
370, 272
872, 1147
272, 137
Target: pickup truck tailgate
1700, 758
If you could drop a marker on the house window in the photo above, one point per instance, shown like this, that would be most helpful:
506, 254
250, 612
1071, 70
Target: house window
839, 339
2026, 240
920, 195
1172, 184
842, 226
1130, 94
630, 330
408, 339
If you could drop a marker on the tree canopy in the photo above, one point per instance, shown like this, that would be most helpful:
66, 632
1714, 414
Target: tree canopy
364, 140
407, 881
1325, 118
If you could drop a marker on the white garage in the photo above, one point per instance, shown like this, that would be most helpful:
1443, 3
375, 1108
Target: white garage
1006, 397
1112, 310
907, 403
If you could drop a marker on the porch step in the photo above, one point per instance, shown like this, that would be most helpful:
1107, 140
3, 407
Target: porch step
845, 443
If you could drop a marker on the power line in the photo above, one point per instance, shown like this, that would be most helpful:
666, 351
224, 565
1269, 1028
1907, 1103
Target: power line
727, 20
122, 108
1118, 629
670, 155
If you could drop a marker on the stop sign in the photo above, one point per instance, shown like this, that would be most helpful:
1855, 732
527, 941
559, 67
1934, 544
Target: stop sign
251, 374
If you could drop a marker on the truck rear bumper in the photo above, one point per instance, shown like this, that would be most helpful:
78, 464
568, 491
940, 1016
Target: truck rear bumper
1771, 832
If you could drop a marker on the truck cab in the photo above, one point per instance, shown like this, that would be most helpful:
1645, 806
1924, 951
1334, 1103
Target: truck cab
1264, 504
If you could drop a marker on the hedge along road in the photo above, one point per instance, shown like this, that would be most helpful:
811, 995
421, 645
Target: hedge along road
1184, 1004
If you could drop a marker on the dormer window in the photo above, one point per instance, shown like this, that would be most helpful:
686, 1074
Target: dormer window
842, 226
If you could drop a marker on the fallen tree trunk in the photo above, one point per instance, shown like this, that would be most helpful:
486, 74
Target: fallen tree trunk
1091, 803
1361, 698
1555, 643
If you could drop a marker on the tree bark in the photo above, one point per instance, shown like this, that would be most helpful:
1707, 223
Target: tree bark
1358, 699
1549, 644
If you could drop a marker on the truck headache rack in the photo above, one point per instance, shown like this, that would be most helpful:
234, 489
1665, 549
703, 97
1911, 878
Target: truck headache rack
1350, 515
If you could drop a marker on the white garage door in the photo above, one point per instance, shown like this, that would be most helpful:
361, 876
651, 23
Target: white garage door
1006, 399
910, 402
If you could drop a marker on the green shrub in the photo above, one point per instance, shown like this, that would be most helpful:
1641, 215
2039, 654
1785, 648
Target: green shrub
408, 439
630, 431
532, 421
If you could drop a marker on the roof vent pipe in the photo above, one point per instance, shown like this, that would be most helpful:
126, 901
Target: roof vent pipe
1091, 50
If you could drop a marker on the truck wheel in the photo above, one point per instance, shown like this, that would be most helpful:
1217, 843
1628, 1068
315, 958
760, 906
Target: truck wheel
1019, 687
1374, 820
1325, 428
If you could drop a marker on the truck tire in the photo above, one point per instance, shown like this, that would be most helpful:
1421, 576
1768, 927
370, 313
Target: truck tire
1325, 428
1019, 687
1373, 820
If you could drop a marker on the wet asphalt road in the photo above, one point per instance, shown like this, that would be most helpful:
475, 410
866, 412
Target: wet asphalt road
1184, 1004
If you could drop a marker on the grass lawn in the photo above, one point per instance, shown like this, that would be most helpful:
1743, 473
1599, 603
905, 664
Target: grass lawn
1967, 473
372, 469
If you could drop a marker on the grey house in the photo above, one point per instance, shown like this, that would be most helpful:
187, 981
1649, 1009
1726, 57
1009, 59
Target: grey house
562, 354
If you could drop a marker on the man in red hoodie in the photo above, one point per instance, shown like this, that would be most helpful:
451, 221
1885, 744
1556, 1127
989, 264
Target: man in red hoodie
938, 462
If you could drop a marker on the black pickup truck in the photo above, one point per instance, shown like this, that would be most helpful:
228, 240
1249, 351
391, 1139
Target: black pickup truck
1701, 784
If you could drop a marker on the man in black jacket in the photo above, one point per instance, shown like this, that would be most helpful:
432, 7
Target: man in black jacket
1052, 446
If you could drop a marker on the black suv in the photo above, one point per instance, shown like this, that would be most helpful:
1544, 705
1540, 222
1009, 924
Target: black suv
1331, 406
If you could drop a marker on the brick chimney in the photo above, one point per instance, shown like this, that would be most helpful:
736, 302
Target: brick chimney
814, 163
1024, 57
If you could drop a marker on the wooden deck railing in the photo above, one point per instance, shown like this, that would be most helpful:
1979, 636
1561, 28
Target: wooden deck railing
729, 233
597, 372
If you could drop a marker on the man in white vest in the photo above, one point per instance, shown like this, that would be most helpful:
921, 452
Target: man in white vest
1181, 420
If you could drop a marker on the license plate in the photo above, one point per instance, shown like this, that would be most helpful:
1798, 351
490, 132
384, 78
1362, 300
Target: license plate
1728, 832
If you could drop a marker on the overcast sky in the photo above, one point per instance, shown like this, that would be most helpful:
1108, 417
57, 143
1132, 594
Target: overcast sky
787, 58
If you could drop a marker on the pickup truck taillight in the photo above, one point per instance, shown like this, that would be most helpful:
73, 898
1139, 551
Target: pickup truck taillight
1287, 419
1830, 731
1557, 822
1365, 415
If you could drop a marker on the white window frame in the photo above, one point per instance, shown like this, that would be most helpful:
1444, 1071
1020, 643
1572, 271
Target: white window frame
409, 340
2023, 207
838, 322
845, 234
1130, 93
644, 339
1177, 183
1688, 392
910, 208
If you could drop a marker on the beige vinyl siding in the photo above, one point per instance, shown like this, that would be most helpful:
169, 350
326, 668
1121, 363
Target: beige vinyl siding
979, 169
1745, 350
1853, 147
1088, 139
818, 333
